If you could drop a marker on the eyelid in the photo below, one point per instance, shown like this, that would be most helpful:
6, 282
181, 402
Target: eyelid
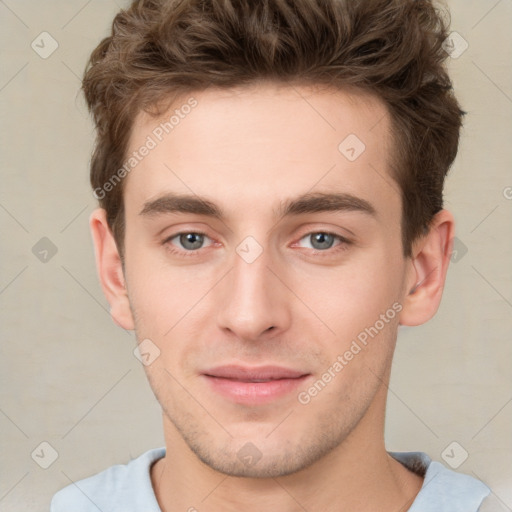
344, 241
176, 249
184, 228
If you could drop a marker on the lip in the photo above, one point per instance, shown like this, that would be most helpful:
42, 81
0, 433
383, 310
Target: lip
253, 385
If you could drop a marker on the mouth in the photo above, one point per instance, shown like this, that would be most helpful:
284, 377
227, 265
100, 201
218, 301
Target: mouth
253, 385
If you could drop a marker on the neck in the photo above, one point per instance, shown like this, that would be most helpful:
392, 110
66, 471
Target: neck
339, 481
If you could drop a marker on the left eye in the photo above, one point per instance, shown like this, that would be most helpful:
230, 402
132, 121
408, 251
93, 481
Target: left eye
321, 241
189, 241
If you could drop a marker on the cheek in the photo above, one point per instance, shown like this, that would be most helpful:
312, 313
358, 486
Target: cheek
350, 297
160, 292
172, 307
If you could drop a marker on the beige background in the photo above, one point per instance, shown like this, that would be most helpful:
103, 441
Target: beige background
69, 376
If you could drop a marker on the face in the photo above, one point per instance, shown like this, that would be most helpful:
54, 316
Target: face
264, 263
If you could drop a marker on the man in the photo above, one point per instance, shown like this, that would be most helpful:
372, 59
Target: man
270, 179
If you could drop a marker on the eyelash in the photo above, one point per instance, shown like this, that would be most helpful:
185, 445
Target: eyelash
169, 247
342, 246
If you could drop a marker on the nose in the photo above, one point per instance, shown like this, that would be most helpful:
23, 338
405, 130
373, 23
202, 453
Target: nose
253, 303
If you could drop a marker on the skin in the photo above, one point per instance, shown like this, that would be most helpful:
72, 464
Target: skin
248, 151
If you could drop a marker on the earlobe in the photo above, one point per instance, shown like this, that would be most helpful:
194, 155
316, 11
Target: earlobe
427, 271
110, 270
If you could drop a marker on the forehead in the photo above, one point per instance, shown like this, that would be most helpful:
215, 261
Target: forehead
263, 143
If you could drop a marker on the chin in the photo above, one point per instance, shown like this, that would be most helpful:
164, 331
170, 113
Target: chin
264, 458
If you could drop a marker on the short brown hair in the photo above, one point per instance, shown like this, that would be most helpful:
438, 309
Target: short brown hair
393, 49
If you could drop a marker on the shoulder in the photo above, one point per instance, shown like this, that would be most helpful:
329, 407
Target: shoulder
443, 489
123, 487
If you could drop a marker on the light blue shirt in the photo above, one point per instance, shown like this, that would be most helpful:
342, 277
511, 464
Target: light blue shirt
127, 488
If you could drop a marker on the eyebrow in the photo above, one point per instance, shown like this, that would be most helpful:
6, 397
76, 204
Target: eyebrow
325, 202
306, 203
181, 203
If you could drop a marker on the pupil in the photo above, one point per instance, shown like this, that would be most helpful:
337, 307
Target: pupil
191, 240
322, 241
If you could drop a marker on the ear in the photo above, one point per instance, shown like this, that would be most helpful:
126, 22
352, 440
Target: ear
110, 269
427, 271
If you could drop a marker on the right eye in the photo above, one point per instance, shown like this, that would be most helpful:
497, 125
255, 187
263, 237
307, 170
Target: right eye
188, 241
